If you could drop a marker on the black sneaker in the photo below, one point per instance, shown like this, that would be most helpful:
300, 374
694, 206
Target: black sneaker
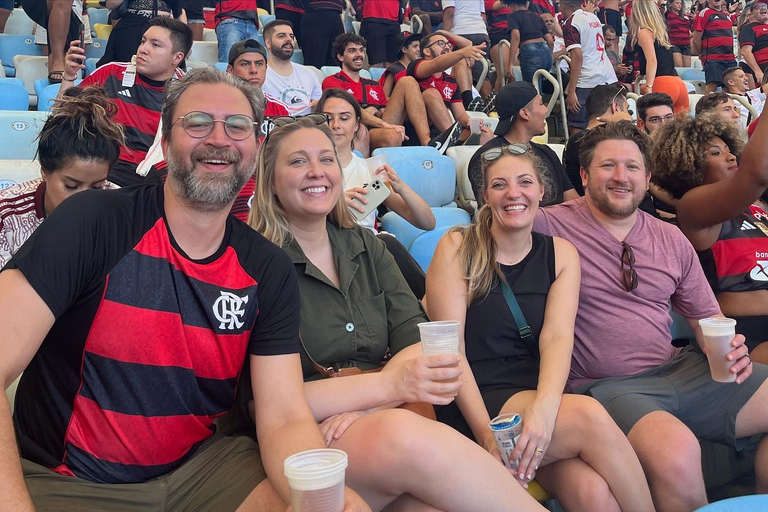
490, 104
476, 105
446, 139
472, 140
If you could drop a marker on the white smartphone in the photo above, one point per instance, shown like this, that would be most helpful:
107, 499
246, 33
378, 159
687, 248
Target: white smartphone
377, 193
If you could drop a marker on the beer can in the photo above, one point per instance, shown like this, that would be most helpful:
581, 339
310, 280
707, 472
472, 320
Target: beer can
506, 430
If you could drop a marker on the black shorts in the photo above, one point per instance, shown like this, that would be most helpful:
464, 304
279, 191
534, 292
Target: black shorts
684, 49
613, 18
496, 38
379, 35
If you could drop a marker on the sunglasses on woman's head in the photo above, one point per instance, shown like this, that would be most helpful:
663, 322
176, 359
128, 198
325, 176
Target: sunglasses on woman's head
513, 149
277, 122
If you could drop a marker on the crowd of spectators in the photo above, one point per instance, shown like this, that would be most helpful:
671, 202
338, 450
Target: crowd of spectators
177, 334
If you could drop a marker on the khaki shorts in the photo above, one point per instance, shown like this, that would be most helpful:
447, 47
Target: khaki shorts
218, 478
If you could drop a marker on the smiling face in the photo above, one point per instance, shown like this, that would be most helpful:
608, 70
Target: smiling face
721, 163
353, 57
208, 172
343, 122
307, 176
74, 176
155, 57
617, 179
759, 13
738, 82
438, 45
512, 191
251, 67
412, 52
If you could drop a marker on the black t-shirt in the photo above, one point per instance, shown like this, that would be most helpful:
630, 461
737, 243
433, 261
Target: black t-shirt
427, 5
146, 340
556, 172
530, 25
571, 161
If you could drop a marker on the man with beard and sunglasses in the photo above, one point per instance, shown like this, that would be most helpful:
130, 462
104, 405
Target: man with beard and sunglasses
134, 312
291, 83
635, 270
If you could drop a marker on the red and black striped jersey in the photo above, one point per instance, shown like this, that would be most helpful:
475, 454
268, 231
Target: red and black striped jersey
756, 36
496, 20
148, 344
445, 84
716, 35
542, 7
324, 5
290, 5
397, 70
679, 29
367, 92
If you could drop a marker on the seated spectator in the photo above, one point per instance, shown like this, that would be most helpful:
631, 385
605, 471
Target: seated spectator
611, 49
446, 93
126, 35
722, 104
406, 48
736, 81
590, 65
653, 50
522, 116
470, 279
531, 37
679, 24
356, 307
383, 116
497, 19
605, 103
137, 88
653, 111
430, 12
78, 144
293, 84
133, 313
636, 270
699, 161
380, 26
236, 20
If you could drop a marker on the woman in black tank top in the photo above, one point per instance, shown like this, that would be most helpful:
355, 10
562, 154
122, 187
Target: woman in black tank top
509, 371
654, 51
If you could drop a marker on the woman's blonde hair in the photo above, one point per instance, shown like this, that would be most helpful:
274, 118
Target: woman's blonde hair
268, 216
477, 253
645, 14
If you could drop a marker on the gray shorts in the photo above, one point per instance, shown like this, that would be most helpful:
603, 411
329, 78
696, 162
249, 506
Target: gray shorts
219, 476
682, 387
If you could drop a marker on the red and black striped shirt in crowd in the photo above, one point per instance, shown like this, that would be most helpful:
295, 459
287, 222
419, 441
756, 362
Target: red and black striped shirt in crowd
716, 35
756, 36
679, 29
325, 5
397, 70
496, 20
290, 5
542, 7
148, 344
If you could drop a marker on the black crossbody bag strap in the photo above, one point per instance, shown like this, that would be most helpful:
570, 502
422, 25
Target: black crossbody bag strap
526, 333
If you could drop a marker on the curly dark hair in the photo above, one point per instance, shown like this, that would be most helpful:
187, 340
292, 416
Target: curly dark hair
341, 42
679, 151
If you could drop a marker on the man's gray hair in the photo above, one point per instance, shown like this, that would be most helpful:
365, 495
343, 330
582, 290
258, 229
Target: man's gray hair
175, 88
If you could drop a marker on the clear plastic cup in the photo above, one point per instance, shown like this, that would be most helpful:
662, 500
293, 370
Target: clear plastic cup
475, 125
374, 163
439, 337
316, 479
718, 334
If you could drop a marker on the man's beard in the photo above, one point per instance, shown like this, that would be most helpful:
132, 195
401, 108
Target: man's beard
208, 190
282, 54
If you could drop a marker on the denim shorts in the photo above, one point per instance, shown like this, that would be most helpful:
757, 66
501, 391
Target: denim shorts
534, 56
714, 69
232, 30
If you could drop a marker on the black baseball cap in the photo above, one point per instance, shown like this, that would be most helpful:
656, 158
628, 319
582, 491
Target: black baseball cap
246, 46
401, 40
509, 100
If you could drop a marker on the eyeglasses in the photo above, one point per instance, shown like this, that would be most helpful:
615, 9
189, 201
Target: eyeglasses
629, 274
513, 149
441, 44
200, 124
270, 123
660, 119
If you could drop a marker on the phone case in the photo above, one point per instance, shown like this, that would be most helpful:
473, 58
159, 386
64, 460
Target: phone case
377, 193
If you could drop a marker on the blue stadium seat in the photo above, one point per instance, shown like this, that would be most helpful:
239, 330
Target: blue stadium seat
423, 247
40, 85
364, 73
90, 66
13, 172
428, 173
19, 23
693, 74
330, 70
46, 96
298, 56
18, 131
376, 72
756, 503
97, 15
96, 50
264, 19
221, 66
406, 233
17, 44
13, 96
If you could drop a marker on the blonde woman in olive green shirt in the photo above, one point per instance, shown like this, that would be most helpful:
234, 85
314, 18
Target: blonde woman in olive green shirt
355, 306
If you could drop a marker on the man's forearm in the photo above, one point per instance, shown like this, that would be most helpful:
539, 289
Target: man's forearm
371, 121
15, 497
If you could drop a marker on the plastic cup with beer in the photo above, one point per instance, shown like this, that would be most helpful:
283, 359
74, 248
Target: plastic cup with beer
440, 338
476, 125
718, 333
373, 164
316, 479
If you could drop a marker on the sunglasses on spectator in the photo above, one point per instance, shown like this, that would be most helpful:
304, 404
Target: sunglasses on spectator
615, 96
660, 119
513, 149
276, 122
441, 44
628, 267
200, 124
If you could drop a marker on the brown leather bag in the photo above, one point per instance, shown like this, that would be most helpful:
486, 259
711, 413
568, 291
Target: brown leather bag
421, 408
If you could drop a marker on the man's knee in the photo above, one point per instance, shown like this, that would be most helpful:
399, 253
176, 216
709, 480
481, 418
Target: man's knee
667, 449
